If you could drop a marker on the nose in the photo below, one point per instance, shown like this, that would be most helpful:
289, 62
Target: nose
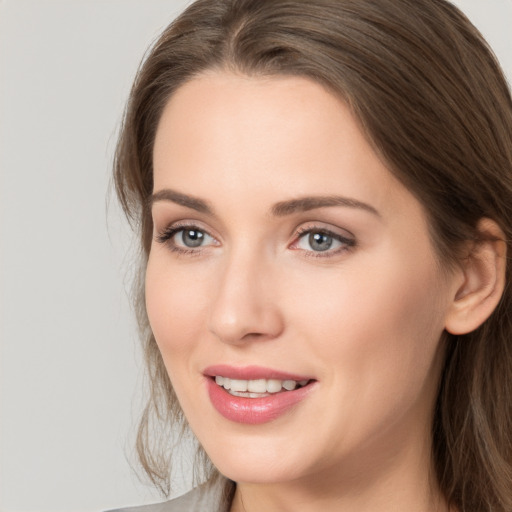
245, 305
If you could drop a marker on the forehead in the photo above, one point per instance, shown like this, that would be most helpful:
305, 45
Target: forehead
228, 135
221, 109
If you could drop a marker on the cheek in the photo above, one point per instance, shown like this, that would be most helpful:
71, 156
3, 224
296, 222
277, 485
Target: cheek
378, 327
175, 303
375, 335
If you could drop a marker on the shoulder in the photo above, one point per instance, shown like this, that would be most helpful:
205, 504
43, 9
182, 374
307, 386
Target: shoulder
200, 499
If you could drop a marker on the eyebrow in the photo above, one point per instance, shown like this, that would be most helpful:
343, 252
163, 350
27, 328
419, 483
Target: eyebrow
193, 203
281, 209
305, 204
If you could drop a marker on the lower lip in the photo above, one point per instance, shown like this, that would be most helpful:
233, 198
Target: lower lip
254, 411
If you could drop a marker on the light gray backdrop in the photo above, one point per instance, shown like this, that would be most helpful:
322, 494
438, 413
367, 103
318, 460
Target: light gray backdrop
69, 360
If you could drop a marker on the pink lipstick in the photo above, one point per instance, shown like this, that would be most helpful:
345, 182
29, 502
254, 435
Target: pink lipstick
253, 394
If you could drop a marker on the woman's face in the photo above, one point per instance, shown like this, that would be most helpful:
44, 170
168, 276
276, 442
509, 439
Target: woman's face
288, 259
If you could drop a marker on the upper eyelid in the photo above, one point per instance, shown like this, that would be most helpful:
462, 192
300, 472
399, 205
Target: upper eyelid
332, 234
166, 235
346, 237
183, 224
322, 227
298, 232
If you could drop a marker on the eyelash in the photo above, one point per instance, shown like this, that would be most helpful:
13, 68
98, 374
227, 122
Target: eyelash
347, 243
166, 236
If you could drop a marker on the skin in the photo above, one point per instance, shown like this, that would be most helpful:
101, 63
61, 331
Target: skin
364, 318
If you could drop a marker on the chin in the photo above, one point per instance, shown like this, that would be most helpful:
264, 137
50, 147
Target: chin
259, 459
256, 472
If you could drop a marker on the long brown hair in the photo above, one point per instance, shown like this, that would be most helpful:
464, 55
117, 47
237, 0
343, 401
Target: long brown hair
433, 102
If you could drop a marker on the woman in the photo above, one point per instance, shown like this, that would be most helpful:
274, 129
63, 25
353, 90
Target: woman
324, 197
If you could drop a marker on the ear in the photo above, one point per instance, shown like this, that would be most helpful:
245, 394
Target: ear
483, 280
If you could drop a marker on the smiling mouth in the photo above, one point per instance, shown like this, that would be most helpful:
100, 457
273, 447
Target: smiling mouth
254, 395
258, 388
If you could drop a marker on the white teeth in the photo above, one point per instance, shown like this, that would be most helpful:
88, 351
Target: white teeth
257, 387
289, 385
238, 385
247, 395
274, 385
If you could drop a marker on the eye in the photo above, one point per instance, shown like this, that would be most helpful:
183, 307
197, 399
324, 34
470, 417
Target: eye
316, 240
185, 238
191, 238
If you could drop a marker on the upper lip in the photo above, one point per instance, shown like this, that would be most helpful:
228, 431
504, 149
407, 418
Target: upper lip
251, 373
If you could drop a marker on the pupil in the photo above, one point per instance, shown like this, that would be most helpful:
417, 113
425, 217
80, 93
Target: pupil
320, 241
192, 238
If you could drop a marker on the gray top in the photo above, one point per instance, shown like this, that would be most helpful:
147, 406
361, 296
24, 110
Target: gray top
200, 499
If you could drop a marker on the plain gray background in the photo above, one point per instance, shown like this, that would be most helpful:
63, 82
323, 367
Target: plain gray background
70, 368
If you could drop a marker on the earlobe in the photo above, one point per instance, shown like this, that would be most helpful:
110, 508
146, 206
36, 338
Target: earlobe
483, 280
